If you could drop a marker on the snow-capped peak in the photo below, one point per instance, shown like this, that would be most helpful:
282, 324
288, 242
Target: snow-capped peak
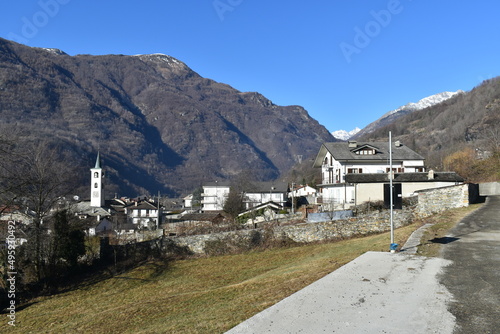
55, 51
425, 102
344, 135
161, 58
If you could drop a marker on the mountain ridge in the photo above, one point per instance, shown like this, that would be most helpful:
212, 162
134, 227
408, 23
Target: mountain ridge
468, 120
410, 107
158, 124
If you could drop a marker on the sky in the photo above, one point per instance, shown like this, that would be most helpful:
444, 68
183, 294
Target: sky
347, 62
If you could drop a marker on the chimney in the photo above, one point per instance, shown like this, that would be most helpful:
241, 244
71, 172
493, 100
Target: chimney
353, 144
430, 175
398, 143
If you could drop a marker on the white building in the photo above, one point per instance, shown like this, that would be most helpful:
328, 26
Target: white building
143, 214
188, 201
214, 196
339, 159
303, 191
266, 193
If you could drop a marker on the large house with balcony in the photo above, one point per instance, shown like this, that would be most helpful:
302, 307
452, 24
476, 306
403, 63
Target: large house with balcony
214, 195
339, 159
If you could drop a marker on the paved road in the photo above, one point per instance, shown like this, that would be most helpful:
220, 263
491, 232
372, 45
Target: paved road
474, 275
375, 293
403, 293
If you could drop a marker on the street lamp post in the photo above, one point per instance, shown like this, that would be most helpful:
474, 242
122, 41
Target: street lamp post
391, 201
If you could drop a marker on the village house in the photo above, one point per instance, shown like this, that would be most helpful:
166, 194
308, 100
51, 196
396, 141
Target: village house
339, 159
215, 194
144, 214
266, 193
188, 201
302, 191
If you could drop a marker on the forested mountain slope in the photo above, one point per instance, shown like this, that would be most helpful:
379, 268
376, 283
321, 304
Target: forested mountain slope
158, 124
469, 120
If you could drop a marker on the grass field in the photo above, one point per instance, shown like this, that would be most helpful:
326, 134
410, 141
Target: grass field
199, 295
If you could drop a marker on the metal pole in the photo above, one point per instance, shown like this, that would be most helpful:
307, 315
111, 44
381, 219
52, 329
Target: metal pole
158, 212
391, 190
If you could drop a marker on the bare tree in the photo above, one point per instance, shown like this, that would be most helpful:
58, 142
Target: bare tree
35, 176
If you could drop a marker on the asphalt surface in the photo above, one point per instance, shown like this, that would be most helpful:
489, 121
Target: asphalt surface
403, 293
473, 278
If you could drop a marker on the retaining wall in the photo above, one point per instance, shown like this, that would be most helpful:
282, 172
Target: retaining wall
489, 189
429, 202
441, 199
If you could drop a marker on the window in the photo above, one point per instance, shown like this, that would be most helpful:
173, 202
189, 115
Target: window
365, 151
96, 185
96, 174
395, 170
354, 170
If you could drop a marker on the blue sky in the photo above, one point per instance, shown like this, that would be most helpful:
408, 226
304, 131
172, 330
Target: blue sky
347, 62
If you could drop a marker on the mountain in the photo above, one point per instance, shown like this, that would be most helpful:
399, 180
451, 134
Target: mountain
344, 135
158, 125
466, 120
392, 115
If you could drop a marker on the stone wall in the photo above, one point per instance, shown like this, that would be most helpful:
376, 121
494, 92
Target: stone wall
196, 243
373, 222
441, 199
429, 202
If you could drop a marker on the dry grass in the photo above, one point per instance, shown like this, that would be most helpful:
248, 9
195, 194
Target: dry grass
203, 295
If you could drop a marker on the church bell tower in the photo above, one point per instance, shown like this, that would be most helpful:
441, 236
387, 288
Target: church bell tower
96, 195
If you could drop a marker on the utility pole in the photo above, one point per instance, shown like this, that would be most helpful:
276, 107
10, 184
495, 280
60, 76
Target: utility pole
391, 204
158, 212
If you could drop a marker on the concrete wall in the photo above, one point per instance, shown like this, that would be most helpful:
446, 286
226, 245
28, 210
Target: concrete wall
489, 189
375, 191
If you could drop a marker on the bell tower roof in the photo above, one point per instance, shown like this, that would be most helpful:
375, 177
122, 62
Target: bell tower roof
98, 161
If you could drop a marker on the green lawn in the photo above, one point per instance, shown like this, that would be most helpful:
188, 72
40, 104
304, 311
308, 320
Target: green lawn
200, 295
